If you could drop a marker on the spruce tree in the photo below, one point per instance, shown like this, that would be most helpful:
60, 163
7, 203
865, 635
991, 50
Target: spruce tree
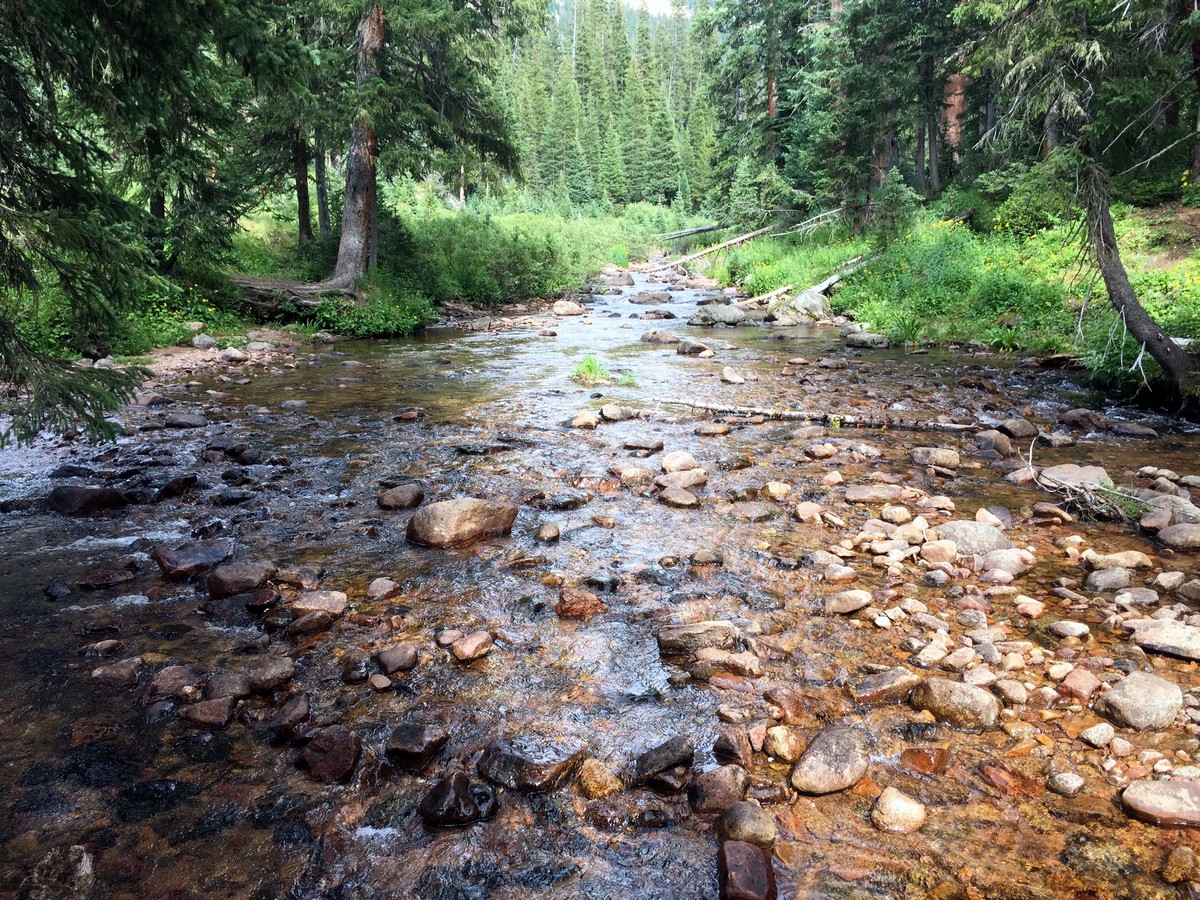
635, 132
613, 181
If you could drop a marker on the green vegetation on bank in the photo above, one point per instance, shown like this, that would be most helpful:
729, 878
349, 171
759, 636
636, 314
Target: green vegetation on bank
1013, 284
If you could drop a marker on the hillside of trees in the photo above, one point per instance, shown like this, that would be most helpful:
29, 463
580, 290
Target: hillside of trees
142, 144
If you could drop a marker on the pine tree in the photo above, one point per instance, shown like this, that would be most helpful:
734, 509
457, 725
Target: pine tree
613, 181
635, 128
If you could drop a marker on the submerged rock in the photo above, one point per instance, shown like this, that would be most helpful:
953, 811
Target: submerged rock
963, 705
896, 811
454, 801
84, 501
1164, 802
744, 872
412, 746
836, 759
1142, 701
193, 558
332, 754
973, 537
677, 751
520, 768
453, 523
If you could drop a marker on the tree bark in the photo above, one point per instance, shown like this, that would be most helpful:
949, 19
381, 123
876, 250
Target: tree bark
919, 162
300, 171
324, 228
1180, 368
935, 176
1052, 130
358, 210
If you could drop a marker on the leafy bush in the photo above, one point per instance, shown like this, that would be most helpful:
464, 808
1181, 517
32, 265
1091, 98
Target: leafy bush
391, 309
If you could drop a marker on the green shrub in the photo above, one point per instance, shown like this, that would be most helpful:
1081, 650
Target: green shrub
591, 371
391, 309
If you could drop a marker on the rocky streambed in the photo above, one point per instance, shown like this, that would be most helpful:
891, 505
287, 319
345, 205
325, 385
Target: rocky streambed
428, 619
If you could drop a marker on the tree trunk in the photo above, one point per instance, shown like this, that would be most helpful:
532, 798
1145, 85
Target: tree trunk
300, 170
1052, 130
1180, 368
919, 162
324, 228
359, 208
935, 176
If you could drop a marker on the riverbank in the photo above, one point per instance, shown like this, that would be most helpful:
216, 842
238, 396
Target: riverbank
702, 634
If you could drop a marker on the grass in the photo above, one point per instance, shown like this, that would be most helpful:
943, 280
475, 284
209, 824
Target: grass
591, 371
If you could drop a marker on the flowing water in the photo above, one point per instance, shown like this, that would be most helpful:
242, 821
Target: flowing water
170, 810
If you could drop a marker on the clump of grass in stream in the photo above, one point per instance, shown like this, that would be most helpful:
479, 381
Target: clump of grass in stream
591, 371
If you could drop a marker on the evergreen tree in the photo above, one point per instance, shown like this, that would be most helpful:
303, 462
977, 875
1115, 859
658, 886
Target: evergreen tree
635, 133
613, 181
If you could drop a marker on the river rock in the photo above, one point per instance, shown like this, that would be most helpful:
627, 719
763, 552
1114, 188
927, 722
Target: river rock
176, 683
578, 603
973, 538
586, 419
676, 751
847, 602
193, 558
332, 754
473, 646
874, 493
233, 355
239, 578
893, 686
1066, 784
382, 589
402, 496
660, 336
674, 640
688, 347
939, 457
836, 759
1018, 428
519, 766
678, 498
784, 744
273, 674
718, 789
1164, 802
896, 811
747, 821
597, 782
1168, 636
718, 314
568, 308
70, 500
963, 705
679, 461
744, 872
399, 658
1181, 537
1141, 701
453, 523
1071, 474
866, 340
212, 714
1107, 580
412, 746
454, 801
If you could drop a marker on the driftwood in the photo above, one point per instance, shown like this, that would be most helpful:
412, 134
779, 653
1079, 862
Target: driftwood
770, 295
730, 243
270, 292
833, 420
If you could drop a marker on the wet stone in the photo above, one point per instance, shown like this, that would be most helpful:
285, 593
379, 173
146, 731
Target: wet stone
273, 674
596, 781
193, 558
925, 760
677, 751
65, 873
577, 603
227, 684
974, 538
897, 812
332, 754
547, 533
753, 511
356, 669
847, 602
382, 589
963, 705
744, 872
836, 759
519, 766
718, 789
733, 748
403, 496
473, 646
687, 639
290, 720
212, 714
70, 500
400, 658
239, 578
1168, 636
454, 523
1141, 701
1174, 803
311, 623
331, 602
892, 686
1181, 537
1107, 580
567, 500
749, 822
1066, 784
455, 801
413, 746
176, 683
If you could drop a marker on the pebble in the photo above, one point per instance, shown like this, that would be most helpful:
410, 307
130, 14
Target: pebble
747, 821
897, 812
835, 760
1067, 784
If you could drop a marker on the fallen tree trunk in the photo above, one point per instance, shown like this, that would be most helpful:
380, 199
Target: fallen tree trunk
676, 235
730, 243
879, 420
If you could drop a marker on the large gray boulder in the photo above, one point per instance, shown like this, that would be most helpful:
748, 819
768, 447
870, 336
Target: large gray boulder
974, 538
1142, 701
836, 759
963, 705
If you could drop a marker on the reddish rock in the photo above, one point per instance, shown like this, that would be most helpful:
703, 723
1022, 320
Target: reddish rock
213, 714
332, 602
175, 682
71, 500
404, 496
744, 872
1079, 683
577, 603
400, 658
453, 523
1008, 780
474, 646
925, 760
332, 754
239, 578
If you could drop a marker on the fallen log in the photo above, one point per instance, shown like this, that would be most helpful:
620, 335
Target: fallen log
740, 239
676, 235
879, 420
